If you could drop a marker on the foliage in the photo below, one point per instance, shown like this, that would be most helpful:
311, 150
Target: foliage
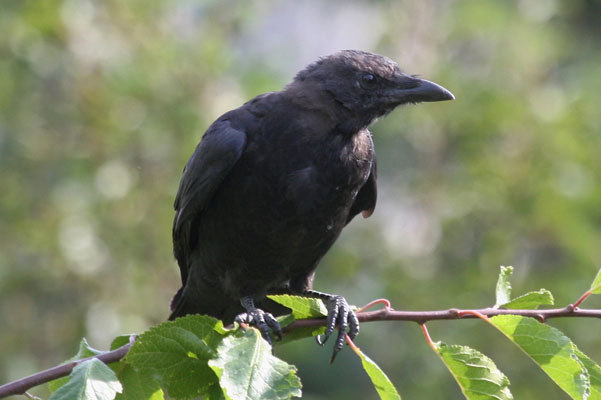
476, 374
195, 356
530, 300
247, 370
90, 380
382, 384
550, 349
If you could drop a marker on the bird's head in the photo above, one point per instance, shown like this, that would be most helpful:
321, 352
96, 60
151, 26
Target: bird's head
367, 85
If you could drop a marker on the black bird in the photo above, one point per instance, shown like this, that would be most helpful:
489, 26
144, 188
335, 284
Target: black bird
272, 183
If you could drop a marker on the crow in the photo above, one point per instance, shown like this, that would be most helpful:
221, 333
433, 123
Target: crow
272, 184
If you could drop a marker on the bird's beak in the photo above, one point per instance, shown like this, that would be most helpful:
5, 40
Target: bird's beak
430, 91
422, 90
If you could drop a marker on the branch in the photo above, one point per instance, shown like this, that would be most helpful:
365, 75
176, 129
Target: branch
20, 386
385, 314
421, 317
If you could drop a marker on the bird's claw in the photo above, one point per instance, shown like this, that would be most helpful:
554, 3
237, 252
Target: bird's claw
265, 322
339, 314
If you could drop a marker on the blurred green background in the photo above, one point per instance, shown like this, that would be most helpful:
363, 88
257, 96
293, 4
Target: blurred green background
101, 104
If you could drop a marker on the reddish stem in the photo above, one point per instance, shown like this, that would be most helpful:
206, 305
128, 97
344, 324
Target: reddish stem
373, 303
583, 297
428, 338
474, 313
350, 342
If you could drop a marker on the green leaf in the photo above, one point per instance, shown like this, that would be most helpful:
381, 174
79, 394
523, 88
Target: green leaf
90, 380
297, 333
247, 369
302, 307
176, 353
594, 372
383, 385
215, 392
596, 285
137, 386
503, 291
120, 340
530, 300
477, 375
550, 349
84, 351
57, 383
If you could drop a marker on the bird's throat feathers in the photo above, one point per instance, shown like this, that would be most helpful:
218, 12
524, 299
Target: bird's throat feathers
343, 119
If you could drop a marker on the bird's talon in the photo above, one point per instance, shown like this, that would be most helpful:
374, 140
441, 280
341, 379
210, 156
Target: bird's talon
263, 321
321, 341
274, 325
341, 316
242, 318
334, 354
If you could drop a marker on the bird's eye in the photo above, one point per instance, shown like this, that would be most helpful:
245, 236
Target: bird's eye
368, 78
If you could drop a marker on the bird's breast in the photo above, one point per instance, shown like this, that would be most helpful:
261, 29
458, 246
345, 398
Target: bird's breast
280, 209
330, 175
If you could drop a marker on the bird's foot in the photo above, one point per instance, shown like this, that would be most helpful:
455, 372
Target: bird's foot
263, 321
339, 314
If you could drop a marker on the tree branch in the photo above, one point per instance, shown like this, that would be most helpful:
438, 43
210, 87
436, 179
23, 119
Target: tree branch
389, 314
20, 386
385, 314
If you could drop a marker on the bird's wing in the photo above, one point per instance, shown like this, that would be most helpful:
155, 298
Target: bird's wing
365, 201
214, 157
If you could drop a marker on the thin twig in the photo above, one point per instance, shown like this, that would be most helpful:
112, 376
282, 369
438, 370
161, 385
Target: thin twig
20, 386
389, 314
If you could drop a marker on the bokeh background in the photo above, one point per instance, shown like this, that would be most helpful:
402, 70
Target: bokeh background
101, 104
